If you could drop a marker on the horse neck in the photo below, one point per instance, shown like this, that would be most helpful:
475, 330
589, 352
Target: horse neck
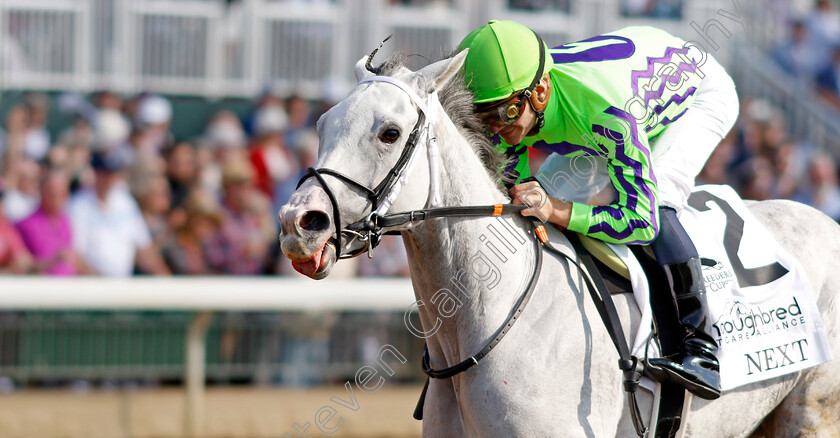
466, 271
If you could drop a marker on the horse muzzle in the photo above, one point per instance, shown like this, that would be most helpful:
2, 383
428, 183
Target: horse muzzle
306, 230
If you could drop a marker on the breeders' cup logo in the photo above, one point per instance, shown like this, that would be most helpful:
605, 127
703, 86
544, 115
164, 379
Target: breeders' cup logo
718, 277
744, 322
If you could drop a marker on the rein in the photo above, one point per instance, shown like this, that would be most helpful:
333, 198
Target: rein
501, 332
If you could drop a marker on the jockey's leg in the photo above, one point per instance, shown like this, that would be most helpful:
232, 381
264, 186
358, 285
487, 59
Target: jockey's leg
695, 366
678, 156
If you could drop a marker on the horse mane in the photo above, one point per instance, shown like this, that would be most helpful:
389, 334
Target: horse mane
457, 101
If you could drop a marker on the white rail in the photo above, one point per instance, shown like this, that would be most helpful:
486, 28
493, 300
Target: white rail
204, 296
205, 293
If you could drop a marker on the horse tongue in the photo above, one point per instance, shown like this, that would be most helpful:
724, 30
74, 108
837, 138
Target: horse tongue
309, 266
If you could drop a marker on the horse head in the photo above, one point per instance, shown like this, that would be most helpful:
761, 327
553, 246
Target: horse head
372, 157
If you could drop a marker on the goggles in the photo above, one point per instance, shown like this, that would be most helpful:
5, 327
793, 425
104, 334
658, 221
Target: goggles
505, 113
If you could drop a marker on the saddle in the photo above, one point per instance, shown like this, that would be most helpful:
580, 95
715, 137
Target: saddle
612, 276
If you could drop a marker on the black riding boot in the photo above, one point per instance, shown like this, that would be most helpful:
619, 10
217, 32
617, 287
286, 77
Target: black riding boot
695, 367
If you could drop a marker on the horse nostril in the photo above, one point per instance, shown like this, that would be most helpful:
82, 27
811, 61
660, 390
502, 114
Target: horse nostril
314, 221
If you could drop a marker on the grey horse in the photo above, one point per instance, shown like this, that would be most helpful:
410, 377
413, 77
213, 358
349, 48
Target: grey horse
554, 374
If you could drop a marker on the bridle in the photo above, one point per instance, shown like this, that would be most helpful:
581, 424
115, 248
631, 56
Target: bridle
367, 230
366, 233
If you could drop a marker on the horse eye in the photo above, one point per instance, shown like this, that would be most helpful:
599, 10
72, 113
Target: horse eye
390, 135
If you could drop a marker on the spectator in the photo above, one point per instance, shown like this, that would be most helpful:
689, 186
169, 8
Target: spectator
823, 26
756, 180
47, 232
650, 8
224, 140
109, 231
17, 121
181, 171
14, 258
822, 190
796, 55
22, 194
71, 151
107, 100
152, 120
74, 104
111, 129
540, 5
716, 170
266, 98
151, 191
186, 251
37, 139
828, 80
271, 158
300, 123
306, 153
240, 248
788, 167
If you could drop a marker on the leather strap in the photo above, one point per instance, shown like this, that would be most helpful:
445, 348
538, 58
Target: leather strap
407, 217
500, 334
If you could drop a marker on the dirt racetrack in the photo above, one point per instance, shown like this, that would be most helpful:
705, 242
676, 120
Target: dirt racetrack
230, 412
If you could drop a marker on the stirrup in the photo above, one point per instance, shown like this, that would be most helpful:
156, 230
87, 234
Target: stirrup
659, 373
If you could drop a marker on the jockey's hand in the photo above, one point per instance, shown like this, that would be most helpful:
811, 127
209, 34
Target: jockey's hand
542, 206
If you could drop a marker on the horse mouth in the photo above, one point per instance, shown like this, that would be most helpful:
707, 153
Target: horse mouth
317, 266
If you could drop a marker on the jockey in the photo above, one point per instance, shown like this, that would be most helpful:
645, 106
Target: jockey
638, 105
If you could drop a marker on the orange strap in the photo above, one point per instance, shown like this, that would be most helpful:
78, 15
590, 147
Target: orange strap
541, 233
497, 210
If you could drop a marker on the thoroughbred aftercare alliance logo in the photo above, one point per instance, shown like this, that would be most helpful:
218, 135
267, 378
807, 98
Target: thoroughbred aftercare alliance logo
744, 322
738, 321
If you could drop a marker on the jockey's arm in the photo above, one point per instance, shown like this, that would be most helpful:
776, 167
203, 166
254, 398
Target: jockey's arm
555, 210
558, 211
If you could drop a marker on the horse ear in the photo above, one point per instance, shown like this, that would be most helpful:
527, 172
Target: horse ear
439, 74
362, 71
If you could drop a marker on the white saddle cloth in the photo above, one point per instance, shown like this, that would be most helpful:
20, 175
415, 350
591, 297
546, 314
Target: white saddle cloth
761, 305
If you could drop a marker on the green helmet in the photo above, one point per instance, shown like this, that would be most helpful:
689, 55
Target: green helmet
503, 59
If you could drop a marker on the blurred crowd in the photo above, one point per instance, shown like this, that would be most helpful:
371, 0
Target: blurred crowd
115, 194
761, 160
811, 51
